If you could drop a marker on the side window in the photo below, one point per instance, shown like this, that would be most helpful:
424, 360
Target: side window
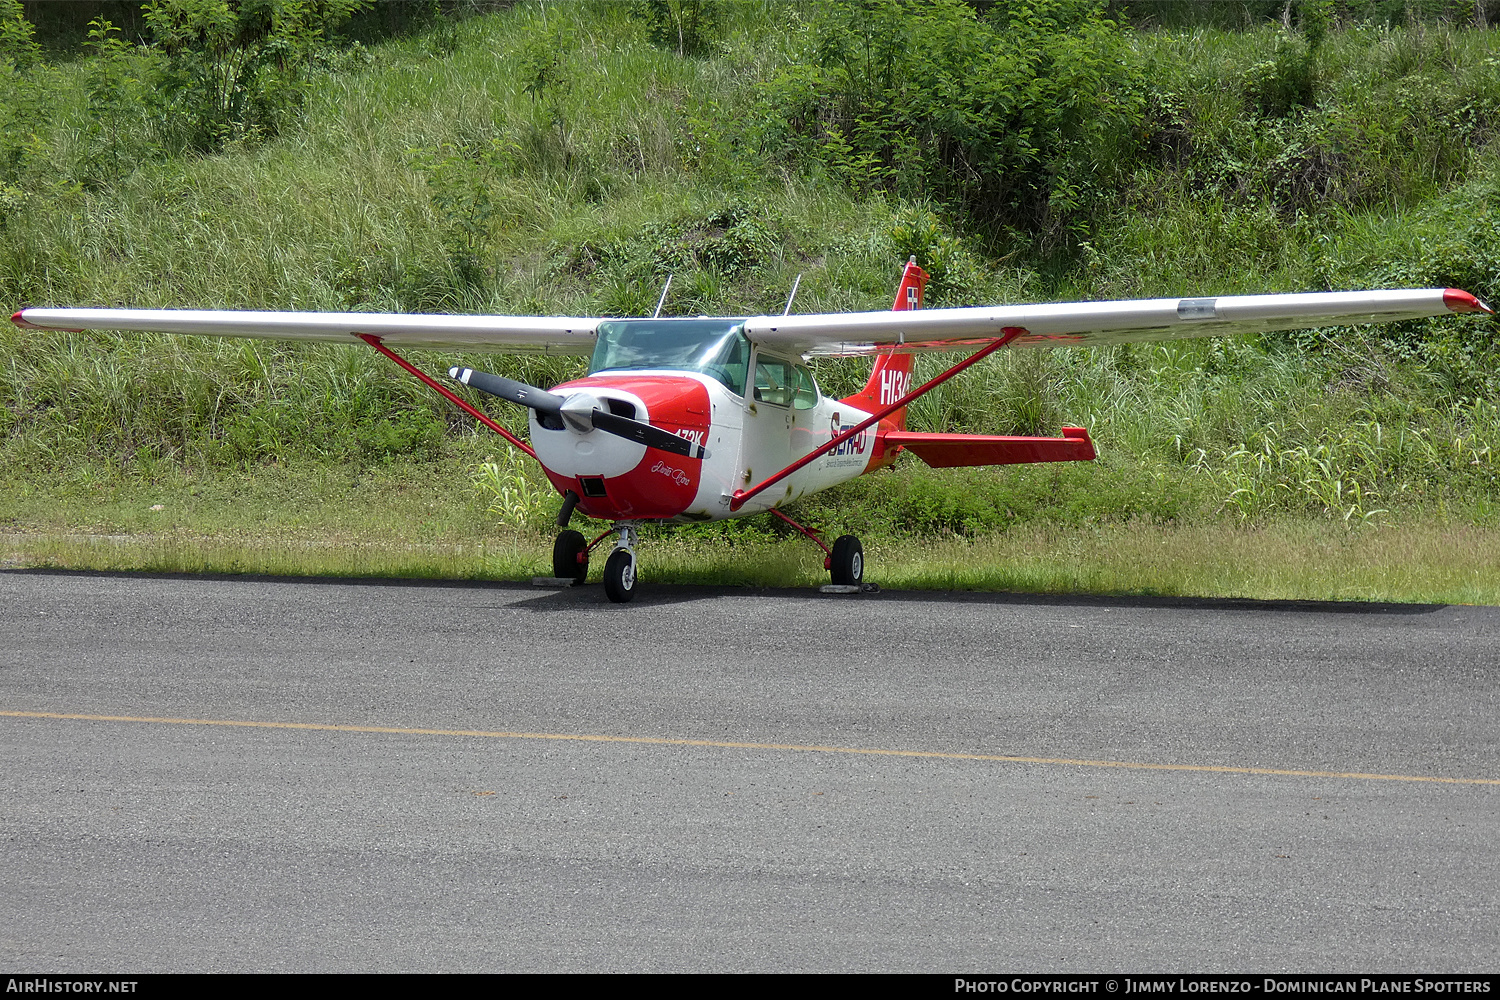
804, 390
773, 381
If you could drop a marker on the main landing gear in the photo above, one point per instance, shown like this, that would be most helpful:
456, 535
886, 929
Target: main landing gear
845, 562
570, 557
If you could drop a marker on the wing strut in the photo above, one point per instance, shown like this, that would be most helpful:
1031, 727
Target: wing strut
810, 533
428, 381
1007, 334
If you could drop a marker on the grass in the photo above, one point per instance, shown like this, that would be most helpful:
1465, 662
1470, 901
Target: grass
1284, 560
424, 520
1302, 560
1358, 445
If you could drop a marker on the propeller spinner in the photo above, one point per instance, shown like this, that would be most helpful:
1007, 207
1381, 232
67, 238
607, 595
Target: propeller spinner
579, 411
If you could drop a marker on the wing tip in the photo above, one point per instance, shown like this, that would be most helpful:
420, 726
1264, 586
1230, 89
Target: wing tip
19, 318
1459, 301
1080, 437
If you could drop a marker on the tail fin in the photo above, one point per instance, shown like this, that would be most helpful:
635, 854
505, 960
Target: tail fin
891, 377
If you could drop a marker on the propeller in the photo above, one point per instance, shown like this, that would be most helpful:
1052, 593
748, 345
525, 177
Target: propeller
580, 411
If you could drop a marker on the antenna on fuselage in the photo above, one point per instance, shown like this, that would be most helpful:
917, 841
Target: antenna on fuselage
663, 300
788, 310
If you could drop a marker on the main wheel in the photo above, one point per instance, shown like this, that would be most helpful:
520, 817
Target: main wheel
847, 564
566, 561
619, 576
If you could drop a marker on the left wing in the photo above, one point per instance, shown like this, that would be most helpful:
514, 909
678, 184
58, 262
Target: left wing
1099, 324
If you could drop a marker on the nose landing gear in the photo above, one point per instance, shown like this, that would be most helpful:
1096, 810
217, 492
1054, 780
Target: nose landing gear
619, 568
570, 561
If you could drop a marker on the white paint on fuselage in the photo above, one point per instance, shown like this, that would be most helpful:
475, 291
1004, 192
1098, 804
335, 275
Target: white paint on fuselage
771, 438
569, 452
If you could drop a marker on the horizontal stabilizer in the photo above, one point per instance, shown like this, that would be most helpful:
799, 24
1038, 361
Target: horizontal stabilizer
949, 451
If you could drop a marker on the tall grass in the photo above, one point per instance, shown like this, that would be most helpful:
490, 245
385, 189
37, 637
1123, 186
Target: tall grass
638, 162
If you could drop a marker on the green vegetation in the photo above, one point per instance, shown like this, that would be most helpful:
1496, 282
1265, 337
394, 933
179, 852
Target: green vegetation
565, 158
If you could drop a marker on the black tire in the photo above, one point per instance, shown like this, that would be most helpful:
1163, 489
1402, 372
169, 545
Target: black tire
619, 576
848, 561
565, 552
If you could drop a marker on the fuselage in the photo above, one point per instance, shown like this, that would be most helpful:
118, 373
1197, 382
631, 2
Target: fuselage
755, 412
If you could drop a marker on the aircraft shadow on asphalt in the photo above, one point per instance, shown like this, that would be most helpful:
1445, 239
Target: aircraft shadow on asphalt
661, 594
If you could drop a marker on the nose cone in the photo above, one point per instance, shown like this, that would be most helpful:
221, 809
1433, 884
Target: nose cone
616, 477
575, 448
578, 411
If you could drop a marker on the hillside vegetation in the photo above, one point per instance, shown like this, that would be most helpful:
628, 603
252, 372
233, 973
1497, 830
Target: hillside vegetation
566, 157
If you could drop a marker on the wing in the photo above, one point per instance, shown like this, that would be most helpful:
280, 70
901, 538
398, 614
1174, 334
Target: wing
1099, 324
509, 334
1056, 324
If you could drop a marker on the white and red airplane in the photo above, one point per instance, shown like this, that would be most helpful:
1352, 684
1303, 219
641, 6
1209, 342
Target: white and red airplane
709, 418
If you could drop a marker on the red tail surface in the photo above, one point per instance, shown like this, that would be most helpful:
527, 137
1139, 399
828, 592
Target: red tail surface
891, 377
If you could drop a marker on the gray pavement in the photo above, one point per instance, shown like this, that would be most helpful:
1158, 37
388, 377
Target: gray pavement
164, 845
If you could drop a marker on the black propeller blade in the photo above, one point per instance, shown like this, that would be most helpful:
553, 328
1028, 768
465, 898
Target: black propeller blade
508, 389
611, 423
646, 434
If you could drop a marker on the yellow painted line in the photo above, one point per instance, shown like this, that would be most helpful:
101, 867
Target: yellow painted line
728, 745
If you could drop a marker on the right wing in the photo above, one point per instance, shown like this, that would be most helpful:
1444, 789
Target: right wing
507, 334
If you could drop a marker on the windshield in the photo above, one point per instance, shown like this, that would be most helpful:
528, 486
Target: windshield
715, 347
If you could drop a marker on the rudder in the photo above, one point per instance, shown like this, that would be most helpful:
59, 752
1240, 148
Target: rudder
891, 377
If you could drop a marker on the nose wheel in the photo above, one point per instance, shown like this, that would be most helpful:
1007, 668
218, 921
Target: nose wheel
619, 569
570, 561
619, 576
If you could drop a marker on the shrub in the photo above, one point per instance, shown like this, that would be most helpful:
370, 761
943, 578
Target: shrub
1019, 119
689, 26
235, 71
23, 105
1287, 81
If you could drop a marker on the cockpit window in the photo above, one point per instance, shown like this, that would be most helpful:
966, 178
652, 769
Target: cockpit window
715, 347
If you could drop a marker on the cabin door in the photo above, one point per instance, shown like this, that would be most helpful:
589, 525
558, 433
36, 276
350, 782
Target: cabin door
766, 440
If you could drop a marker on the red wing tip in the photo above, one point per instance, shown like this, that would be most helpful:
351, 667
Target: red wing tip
1459, 301
20, 320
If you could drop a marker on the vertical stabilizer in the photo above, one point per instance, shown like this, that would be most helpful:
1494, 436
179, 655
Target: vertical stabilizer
891, 378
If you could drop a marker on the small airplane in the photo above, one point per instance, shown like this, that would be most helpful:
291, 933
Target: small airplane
701, 419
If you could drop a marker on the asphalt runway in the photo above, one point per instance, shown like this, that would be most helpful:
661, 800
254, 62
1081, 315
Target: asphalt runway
271, 774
